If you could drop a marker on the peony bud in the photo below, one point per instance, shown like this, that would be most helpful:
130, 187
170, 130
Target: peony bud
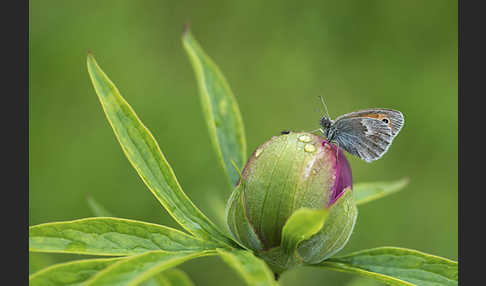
286, 173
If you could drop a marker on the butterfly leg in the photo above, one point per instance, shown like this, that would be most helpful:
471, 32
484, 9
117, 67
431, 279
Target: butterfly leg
337, 153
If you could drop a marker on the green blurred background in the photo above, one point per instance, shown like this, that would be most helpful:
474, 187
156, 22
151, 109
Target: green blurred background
278, 57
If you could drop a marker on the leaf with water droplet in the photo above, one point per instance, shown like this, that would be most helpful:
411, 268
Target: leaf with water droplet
305, 138
143, 152
309, 148
220, 109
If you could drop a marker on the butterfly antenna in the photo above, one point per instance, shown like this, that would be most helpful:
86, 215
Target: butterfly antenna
325, 106
315, 130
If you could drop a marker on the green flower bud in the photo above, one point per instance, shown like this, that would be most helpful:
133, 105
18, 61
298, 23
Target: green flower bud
286, 173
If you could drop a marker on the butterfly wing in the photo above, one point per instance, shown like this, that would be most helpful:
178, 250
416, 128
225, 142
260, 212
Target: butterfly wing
366, 137
394, 117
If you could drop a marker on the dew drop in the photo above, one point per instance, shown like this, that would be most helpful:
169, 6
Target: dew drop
305, 138
258, 152
309, 148
223, 107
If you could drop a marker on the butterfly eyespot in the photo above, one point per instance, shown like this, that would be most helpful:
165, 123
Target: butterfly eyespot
385, 120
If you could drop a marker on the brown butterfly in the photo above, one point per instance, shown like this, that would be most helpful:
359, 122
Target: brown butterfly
366, 134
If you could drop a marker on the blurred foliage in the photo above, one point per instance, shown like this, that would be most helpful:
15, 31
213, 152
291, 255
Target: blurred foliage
277, 57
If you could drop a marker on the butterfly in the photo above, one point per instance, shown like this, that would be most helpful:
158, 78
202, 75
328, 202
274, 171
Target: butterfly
366, 134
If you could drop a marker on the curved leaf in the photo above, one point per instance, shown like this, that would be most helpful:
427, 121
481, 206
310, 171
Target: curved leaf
335, 232
397, 266
236, 212
110, 236
367, 192
139, 268
144, 154
178, 277
301, 225
39, 261
220, 109
170, 277
70, 273
251, 268
362, 281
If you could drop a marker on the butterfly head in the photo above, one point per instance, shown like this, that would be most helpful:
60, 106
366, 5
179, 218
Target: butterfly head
328, 129
326, 122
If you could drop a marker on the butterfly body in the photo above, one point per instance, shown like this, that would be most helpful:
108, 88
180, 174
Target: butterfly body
366, 134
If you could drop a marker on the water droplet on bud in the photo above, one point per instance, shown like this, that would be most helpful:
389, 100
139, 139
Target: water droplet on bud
309, 148
258, 152
305, 138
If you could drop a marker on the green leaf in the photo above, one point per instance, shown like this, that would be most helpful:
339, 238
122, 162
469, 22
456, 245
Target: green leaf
139, 268
97, 209
361, 281
178, 277
251, 268
144, 154
220, 109
38, 261
300, 226
70, 273
170, 277
237, 220
397, 266
110, 236
367, 192
335, 233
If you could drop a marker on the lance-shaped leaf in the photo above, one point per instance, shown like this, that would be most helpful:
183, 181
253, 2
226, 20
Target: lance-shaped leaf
97, 209
38, 261
301, 225
70, 273
251, 268
397, 266
170, 277
220, 109
144, 154
110, 236
362, 281
139, 268
367, 192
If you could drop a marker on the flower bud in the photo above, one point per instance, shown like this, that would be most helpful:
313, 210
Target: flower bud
286, 173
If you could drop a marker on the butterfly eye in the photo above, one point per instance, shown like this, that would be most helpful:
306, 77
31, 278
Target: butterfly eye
385, 120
